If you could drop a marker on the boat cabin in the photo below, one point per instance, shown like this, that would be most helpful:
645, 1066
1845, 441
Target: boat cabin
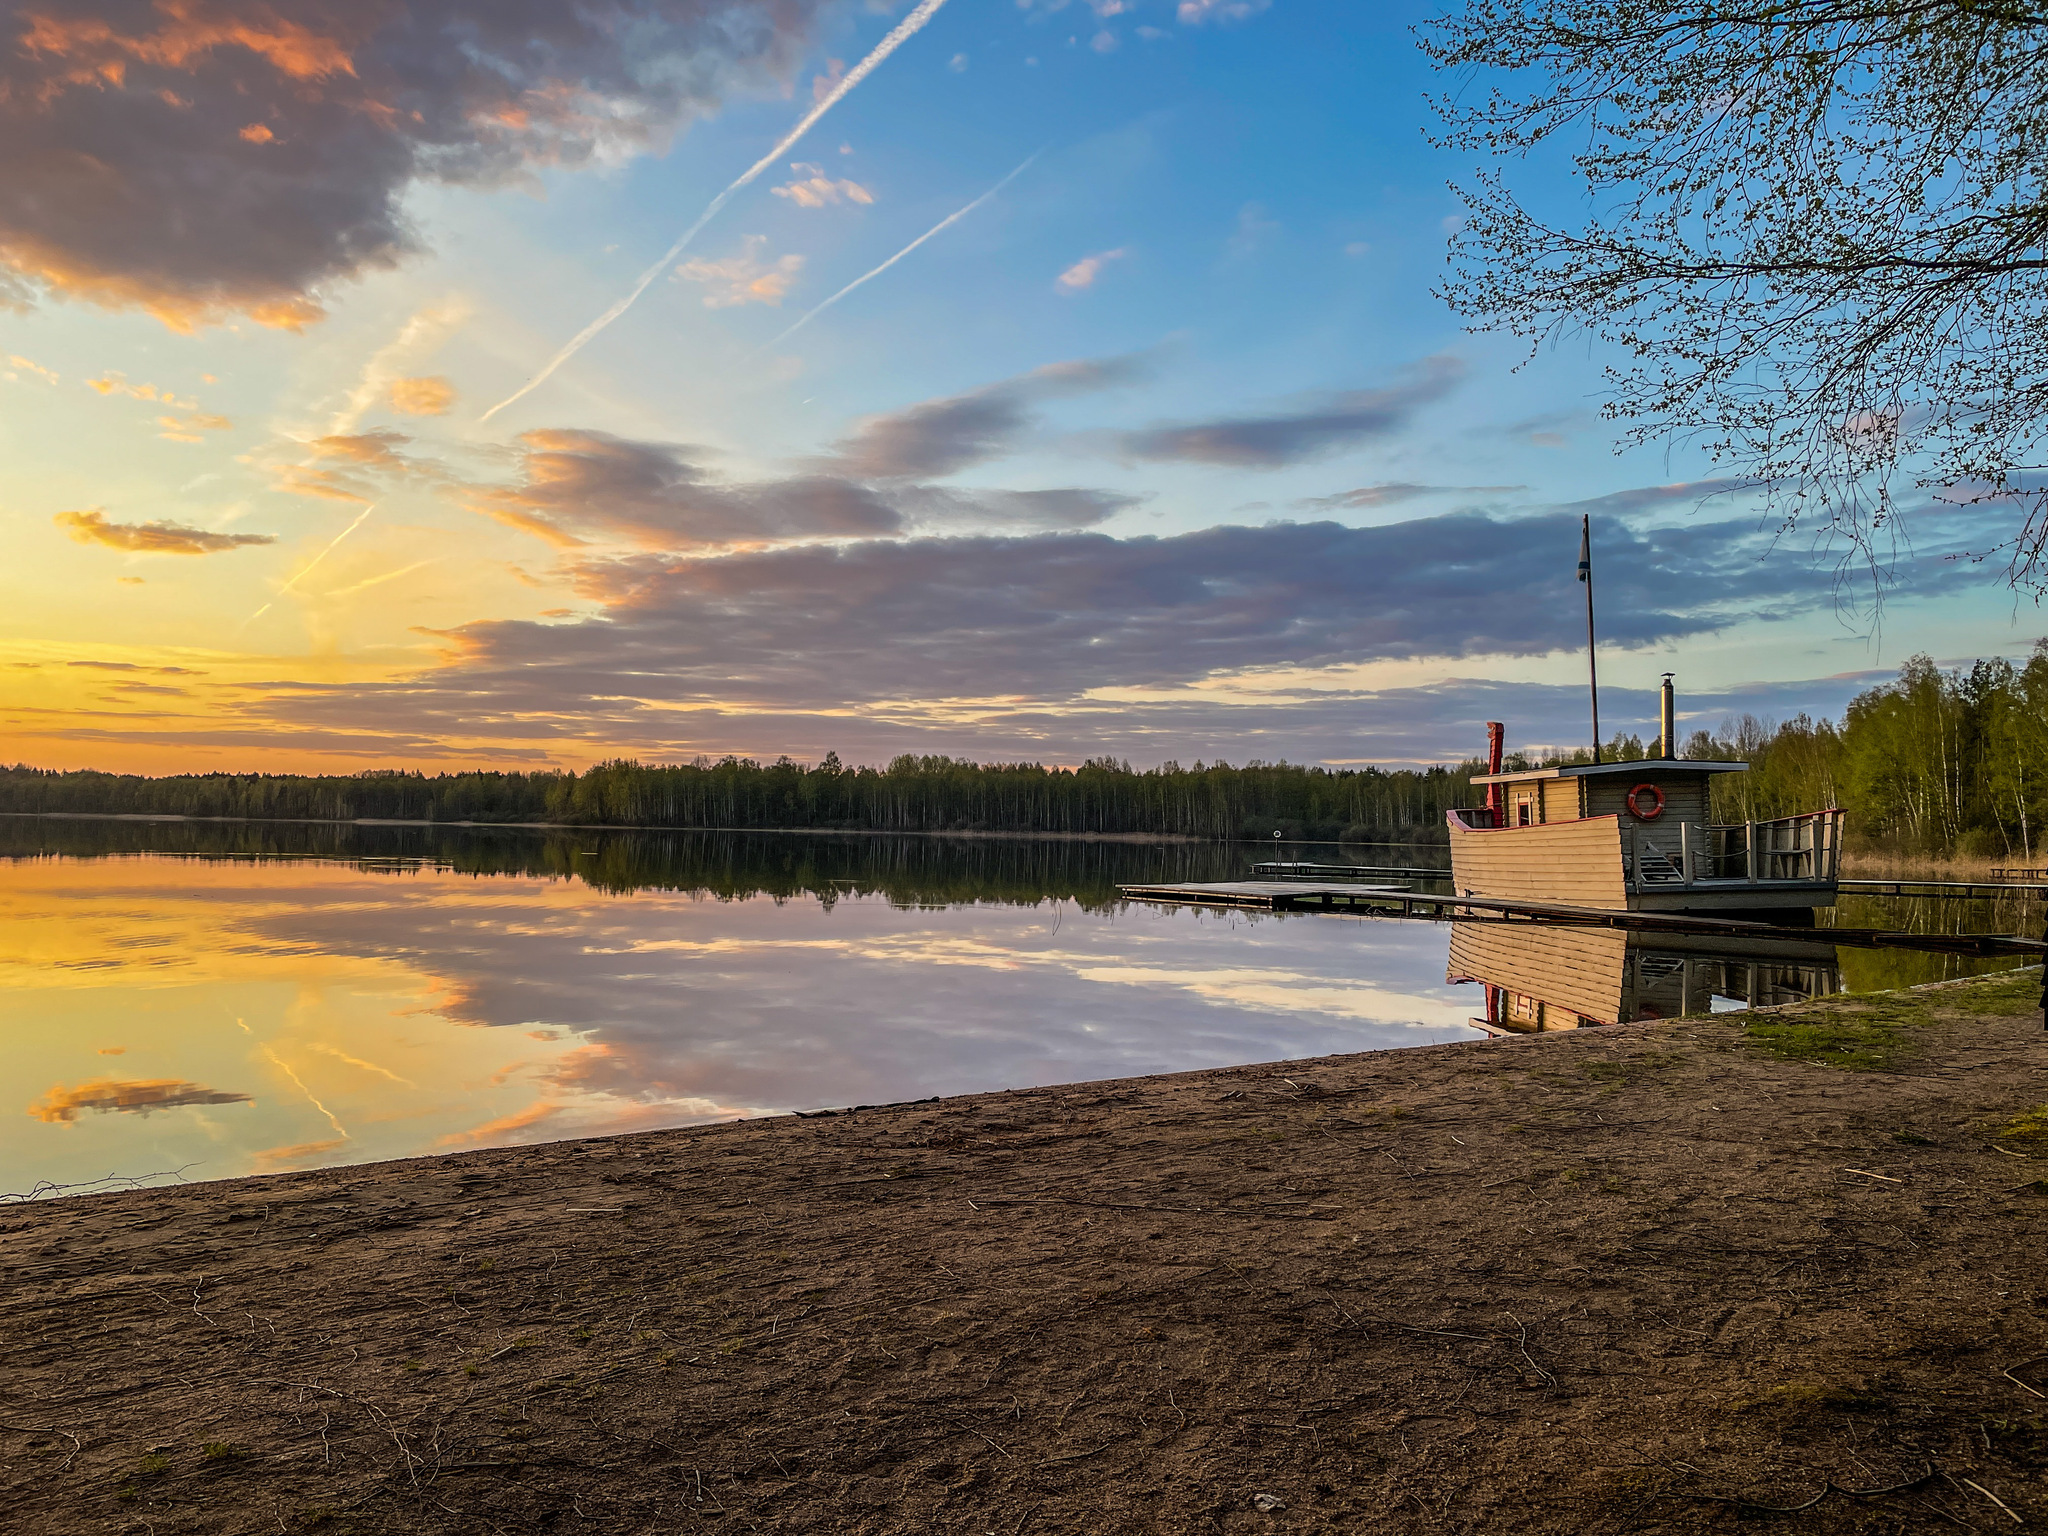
1652, 789
1637, 835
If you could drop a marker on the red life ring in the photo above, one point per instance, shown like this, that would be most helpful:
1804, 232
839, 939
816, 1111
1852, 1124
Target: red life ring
1654, 811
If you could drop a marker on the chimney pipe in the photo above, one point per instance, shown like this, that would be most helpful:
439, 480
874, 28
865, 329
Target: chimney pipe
1667, 719
1496, 739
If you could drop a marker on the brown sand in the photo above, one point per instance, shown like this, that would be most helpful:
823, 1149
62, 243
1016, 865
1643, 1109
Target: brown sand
1647, 1278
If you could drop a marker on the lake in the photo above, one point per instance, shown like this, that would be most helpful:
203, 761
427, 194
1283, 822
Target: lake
206, 1000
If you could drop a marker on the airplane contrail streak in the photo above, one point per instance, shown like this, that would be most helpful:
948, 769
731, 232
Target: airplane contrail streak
307, 569
905, 29
406, 570
950, 219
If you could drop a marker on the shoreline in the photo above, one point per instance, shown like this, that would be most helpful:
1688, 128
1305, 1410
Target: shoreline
1644, 1275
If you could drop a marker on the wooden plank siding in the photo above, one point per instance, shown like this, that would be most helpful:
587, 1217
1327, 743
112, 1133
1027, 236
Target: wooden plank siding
1574, 971
1685, 794
1562, 800
1576, 862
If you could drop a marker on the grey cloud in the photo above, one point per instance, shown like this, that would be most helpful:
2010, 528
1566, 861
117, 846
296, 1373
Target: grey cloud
1644, 498
199, 160
1329, 425
938, 437
1393, 493
778, 646
577, 485
958, 509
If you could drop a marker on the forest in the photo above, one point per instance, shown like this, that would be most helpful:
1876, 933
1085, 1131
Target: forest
1935, 762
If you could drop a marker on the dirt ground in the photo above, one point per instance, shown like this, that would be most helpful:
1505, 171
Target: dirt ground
1668, 1277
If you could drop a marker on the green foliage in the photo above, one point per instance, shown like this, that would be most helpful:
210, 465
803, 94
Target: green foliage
1935, 763
2026, 1134
1866, 1035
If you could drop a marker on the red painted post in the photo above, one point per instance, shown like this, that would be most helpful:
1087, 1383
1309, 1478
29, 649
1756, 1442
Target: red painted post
1496, 740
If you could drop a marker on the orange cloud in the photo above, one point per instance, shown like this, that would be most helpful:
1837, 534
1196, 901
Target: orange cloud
491, 1130
812, 188
145, 1096
159, 538
190, 31
122, 117
745, 278
270, 1159
432, 396
186, 429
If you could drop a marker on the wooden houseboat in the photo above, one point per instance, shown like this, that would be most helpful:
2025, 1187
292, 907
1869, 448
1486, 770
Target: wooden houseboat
1540, 978
1636, 835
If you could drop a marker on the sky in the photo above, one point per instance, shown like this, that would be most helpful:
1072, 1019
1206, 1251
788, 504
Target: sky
1072, 383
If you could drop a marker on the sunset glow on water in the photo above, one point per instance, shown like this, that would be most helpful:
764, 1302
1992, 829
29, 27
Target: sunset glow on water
228, 1017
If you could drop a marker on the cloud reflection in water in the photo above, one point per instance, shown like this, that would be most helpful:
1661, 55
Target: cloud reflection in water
374, 1015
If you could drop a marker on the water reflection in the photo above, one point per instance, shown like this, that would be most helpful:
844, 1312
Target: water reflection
238, 998
1539, 979
273, 1009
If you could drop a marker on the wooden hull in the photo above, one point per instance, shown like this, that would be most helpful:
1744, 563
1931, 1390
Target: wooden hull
1577, 862
1541, 978
1600, 861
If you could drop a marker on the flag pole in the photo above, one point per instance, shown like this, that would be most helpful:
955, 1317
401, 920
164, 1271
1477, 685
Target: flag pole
1592, 665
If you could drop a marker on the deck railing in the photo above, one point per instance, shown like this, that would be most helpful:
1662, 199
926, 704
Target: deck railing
1806, 849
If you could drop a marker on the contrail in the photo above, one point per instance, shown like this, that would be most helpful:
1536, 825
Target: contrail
405, 570
953, 218
307, 569
905, 29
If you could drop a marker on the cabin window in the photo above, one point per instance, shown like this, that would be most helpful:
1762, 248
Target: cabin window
1525, 813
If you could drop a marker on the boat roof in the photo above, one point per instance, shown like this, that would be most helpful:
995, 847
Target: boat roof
1653, 766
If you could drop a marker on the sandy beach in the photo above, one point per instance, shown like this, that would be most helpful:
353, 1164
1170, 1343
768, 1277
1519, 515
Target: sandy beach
1654, 1277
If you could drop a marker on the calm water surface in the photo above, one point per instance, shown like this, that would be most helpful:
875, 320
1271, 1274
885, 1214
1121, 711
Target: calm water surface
234, 999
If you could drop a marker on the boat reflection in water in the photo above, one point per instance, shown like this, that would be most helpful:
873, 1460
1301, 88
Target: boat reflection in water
1539, 977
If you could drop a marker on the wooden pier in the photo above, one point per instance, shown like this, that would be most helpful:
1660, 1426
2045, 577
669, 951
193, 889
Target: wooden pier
1962, 890
1351, 898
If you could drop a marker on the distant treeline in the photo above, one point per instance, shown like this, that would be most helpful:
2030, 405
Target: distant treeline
1936, 762
912, 794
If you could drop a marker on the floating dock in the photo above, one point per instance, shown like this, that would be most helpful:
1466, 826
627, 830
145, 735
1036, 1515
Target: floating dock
1351, 898
1967, 890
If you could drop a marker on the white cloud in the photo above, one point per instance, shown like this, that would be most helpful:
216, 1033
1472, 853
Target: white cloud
1193, 13
1358, 248
957, 64
1103, 41
1082, 274
812, 188
745, 278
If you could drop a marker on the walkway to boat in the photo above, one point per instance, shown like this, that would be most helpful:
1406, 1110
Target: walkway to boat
1350, 898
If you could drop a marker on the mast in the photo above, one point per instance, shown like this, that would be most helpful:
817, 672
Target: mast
1592, 665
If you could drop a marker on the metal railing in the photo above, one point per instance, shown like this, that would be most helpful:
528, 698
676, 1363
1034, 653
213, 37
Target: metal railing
1803, 849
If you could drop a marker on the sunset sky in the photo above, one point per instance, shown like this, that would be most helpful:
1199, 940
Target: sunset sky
1161, 448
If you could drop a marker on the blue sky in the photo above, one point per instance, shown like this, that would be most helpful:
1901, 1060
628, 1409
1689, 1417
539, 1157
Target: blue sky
1165, 450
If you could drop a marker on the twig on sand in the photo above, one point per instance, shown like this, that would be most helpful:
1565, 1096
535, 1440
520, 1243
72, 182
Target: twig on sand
1994, 1498
49, 1429
980, 1436
1174, 1210
1869, 1175
2007, 1373
1522, 1344
1828, 1486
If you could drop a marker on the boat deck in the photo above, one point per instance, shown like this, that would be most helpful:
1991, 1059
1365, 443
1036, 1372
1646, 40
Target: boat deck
1350, 898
